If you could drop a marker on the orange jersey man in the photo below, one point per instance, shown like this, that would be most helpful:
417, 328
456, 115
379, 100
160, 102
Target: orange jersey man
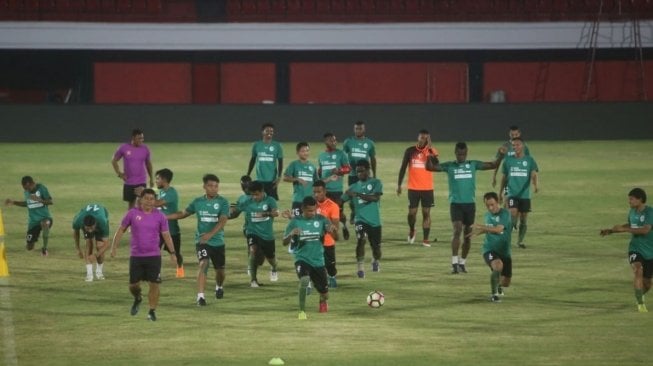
420, 160
331, 211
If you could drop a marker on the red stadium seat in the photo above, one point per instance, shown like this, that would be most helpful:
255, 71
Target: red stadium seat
154, 6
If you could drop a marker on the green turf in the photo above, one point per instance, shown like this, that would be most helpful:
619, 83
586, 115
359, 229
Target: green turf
571, 302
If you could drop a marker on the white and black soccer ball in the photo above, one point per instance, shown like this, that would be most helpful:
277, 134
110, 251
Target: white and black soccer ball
375, 299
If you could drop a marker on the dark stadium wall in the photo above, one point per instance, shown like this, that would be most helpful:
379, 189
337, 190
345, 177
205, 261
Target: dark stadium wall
232, 123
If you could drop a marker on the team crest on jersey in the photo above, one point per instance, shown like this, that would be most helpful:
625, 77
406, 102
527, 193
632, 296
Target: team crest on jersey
467, 166
369, 187
271, 148
139, 218
365, 145
310, 168
129, 152
216, 206
642, 218
264, 207
333, 156
496, 219
316, 224
524, 163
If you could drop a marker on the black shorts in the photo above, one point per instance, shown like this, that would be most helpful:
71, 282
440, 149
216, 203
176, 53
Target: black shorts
425, 197
267, 247
647, 264
34, 232
176, 242
270, 189
296, 209
317, 275
373, 233
521, 204
128, 193
507, 262
94, 235
330, 255
335, 197
215, 254
145, 269
464, 212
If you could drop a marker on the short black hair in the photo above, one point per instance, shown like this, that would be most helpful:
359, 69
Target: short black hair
319, 183
309, 201
89, 220
148, 191
638, 193
266, 125
359, 123
364, 163
26, 179
136, 132
514, 128
424, 131
255, 186
210, 178
327, 135
165, 173
461, 146
491, 195
518, 139
300, 145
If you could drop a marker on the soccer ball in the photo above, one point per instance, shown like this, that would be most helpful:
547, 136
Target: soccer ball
375, 299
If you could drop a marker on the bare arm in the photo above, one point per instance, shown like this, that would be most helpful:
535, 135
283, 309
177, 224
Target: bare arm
114, 243
402, 171
502, 189
250, 167
116, 169
373, 165
10, 202
168, 240
76, 237
625, 228
222, 221
178, 215
534, 181
148, 165
482, 229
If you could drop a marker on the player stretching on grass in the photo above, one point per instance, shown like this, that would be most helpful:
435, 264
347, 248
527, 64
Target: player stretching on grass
640, 249
93, 220
37, 199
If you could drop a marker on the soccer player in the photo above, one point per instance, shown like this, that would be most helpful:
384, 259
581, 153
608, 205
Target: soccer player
168, 202
37, 199
307, 231
267, 156
359, 147
462, 197
640, 248
496, 249
93, 220
147, 224
420, 160
519, 171
260, 211
137, 167
329, 209
212, 212
333, 164
366, 194
245, 182
301, 173
513, 133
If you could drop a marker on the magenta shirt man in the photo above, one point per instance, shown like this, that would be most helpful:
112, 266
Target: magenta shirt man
145, 230
137, 166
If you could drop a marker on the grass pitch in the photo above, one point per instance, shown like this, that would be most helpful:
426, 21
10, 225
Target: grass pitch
571, 302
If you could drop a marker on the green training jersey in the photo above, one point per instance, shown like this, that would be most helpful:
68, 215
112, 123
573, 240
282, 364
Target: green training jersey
257, 219
267, 156
309, 246
358, 149
98, 212
642, 244
327, 162
303, 170
37, 211
367, 212
518, 172
208, 212
462, 180
498, 243
172, 205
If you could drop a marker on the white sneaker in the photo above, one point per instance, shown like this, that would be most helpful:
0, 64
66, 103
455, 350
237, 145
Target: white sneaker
274, 276
89, 278
99, 275
253, 284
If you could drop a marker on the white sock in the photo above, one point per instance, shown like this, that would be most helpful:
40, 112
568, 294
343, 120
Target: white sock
462, 261
99, 267
217, 287
89, 270
200, 295
454, 259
